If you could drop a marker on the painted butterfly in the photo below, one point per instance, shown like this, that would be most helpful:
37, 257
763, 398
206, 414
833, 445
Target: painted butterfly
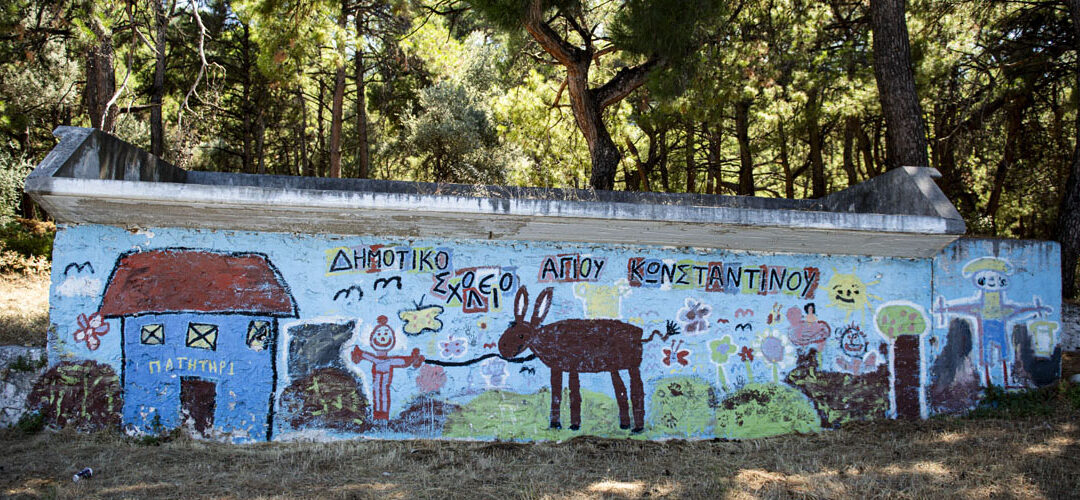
674, 355
422, 319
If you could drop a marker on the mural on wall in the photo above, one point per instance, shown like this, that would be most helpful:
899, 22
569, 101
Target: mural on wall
983, 335
198, 335
327, 337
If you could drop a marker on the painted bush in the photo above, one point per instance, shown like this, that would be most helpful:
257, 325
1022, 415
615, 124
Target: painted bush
260, 336
84, 395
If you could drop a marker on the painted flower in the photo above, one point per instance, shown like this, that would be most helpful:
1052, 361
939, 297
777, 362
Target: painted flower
776, 348
431, 378
494, 371
721, 349
90, 329
746, 354
453, 348
695, 316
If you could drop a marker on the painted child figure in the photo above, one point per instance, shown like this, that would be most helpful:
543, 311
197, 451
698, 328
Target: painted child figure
383, 340
991, 311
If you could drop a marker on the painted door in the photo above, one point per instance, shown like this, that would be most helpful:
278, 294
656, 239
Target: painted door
197, 403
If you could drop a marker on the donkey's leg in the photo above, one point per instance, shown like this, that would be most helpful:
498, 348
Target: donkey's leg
620, 397
575, 401
556, 397
637, 397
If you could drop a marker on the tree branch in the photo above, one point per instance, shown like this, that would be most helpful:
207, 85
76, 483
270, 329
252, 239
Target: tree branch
567, 54
625, 81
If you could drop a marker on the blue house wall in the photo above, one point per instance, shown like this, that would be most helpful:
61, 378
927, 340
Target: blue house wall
243, 376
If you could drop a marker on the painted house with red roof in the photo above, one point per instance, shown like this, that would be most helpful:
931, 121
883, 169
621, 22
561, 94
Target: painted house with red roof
199, 339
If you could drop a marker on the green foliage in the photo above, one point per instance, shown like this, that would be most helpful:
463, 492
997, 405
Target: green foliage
156, 434
31, 422
29, 238
510, 14
13, 172
1002, 403
453, 131
671, 29
467, 95
25, 364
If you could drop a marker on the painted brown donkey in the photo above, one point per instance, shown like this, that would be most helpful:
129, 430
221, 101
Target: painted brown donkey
580, 346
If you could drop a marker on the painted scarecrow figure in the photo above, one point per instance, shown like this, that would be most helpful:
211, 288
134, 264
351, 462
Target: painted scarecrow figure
991, 311
383, 340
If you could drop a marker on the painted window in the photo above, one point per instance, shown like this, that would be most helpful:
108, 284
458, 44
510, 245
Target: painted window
258, 334
152, 334
202, 336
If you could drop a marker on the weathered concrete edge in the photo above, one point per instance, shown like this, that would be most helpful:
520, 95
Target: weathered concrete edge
92, 177
284, 200
905, 191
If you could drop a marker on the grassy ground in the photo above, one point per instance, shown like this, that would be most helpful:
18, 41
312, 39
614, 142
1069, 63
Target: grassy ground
1024, 458
24, 308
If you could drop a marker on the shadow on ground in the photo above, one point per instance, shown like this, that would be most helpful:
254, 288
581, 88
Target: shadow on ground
1030, 458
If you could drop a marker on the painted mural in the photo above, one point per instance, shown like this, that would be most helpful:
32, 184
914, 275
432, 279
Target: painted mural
248, 336
996, 320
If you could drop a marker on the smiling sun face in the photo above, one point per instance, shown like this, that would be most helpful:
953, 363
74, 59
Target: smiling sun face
849, 293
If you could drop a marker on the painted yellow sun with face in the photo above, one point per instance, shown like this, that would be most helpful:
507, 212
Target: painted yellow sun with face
850, 293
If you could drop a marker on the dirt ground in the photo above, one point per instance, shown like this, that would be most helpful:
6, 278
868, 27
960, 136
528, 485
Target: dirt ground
1026, 458
24, 309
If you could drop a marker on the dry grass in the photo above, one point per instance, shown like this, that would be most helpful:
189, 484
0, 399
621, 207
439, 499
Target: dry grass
1031, 458
24, 308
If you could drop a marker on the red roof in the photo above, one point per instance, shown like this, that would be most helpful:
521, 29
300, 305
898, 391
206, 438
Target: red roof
180, 280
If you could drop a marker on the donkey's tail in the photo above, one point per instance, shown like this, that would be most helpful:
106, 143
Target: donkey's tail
672, 329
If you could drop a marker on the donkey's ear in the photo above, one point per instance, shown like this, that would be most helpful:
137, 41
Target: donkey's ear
521, 304
543, 305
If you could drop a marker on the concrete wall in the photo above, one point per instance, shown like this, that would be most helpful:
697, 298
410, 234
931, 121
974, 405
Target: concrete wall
324, 336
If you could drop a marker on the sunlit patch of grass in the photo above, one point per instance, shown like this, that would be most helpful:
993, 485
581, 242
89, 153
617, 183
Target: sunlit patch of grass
24, 308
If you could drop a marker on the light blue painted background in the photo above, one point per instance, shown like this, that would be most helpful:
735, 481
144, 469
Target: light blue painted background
302, 262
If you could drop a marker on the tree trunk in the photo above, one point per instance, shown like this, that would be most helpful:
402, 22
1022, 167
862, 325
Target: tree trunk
813, 125
746, 160
716, 138
1008, 156
320, 137
100, 80
850, 124
361, 104
1069, 214
785, 163
588, 103
338, 104
157, 89
691, 168
665, 181
878, 154
905, 135
246, 109
260, 142
305, 166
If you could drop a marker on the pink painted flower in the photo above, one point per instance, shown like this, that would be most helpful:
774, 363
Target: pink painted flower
90, 329
431, 378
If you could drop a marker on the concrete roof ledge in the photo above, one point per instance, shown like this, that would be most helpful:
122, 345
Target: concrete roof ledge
93, 177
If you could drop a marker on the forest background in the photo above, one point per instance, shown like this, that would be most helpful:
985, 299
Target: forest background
775, 98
